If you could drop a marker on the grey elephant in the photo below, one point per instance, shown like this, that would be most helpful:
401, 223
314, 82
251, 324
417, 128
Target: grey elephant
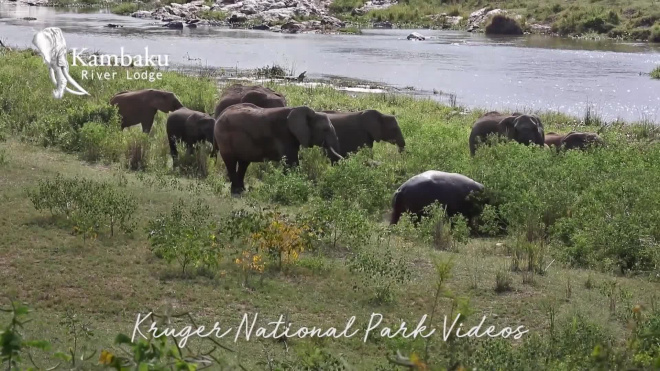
363, 128
573, 140
246, 133
525, 129
257, 95
140, 106
452, 190
190, 127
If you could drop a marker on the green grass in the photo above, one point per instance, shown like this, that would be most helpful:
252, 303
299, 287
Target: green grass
214, 15
350, 30
655, 74
574, 221
614, 18
125, 8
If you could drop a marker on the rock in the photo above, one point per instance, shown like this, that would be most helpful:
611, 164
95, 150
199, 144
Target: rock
277, 5
141, 14
261, 27
477, 19
540, 28
385, 24
501, 24
416, 36
373, 5
192, 25
332, 22
112, 25
174, 25
292, 27
29, 19
276, 29
298, 78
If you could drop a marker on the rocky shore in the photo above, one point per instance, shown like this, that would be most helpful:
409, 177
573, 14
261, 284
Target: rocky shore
273, 15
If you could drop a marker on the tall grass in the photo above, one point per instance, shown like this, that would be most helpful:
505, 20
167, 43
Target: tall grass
656, 73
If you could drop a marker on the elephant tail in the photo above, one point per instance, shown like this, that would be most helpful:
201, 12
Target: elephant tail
397, 207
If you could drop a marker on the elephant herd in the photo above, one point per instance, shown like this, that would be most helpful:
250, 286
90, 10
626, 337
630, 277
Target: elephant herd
254, 124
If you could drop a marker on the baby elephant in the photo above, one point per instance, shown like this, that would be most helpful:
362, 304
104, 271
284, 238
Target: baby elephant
573, 140
449, 189
525, 129
190, 127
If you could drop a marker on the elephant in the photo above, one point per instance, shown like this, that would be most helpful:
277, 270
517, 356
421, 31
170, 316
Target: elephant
578, 140
525, 129
52, 46
553, 139
190, 127
573, 140
258, 95
246, 133
363, 128
449, 189
140, 106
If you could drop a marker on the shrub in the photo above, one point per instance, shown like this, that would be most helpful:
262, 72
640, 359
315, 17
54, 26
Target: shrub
282, 239
137, 150
380, 271
87, 204
338, 224
125, 8
197, 163
286, 186
656, 73
187, 235
654, 37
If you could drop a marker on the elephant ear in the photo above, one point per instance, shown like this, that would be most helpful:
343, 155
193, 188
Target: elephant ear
373, 122
298, 123
507, 126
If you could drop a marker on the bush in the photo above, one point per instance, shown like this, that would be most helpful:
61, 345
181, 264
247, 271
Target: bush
380, 271
137, 150
187, 235
284, 186
656, 73
125, 8
580, 20
654, 37
86, 204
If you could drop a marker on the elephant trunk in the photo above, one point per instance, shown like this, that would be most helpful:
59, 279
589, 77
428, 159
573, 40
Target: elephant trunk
401, 143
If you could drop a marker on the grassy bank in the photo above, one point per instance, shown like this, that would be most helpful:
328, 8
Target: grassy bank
618, 19
574, 222
656, 73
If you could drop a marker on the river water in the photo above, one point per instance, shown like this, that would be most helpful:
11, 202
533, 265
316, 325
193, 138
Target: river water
518, 73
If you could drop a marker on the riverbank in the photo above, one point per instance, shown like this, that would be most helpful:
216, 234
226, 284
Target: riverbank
574, 221
595, 19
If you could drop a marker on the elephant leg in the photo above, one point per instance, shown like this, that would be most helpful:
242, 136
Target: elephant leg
240, 176
148, 121
231, 165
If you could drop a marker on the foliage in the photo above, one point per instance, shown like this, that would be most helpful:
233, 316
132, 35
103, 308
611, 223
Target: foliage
186, 235
282, 239
656, 73
125, 8
87, 204
284, 186
380, 271
338, 224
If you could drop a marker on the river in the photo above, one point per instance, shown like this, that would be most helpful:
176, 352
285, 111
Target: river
517, 73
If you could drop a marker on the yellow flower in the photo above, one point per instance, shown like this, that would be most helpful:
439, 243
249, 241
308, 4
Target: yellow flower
106, 358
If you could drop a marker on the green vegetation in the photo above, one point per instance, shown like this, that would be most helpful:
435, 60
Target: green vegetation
125, 8
350, 30
569, 247
213, 15
655, 74
613, 18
